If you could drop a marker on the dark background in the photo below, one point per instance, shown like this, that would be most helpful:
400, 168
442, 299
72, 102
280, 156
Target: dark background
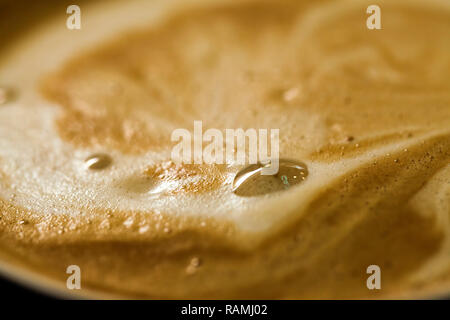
12, 291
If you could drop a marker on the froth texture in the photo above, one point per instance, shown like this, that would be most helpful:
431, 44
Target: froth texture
368, 111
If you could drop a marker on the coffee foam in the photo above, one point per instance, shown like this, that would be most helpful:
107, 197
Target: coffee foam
211, 64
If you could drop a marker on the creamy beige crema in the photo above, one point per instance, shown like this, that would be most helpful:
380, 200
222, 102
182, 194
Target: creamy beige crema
367, 111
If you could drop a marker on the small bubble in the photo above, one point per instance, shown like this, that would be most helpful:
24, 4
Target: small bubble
290, 94
250, 182
195, 262
129, 222
167, 230
23, 222
72, 226
105, 224
144, 229
98, 161
193, 266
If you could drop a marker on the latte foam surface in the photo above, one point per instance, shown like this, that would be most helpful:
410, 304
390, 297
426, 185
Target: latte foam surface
366, 111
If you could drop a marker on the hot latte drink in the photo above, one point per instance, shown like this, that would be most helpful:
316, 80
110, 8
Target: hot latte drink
87, 178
